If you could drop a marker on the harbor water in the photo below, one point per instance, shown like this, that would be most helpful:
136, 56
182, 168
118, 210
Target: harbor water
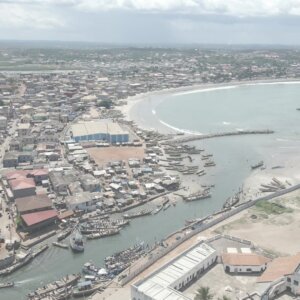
268, 106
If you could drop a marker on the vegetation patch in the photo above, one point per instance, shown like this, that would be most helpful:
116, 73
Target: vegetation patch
270, 208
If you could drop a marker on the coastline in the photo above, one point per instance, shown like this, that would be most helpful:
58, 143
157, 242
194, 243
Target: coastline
131, 102
252, 182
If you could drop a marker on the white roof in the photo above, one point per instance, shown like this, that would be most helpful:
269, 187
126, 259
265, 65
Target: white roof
232, 250
96, 127
159, 286
246, 250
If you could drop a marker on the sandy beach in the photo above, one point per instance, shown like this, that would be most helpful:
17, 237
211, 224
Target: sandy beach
160, 95
286, 160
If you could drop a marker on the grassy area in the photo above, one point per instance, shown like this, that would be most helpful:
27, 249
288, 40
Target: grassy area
272, 208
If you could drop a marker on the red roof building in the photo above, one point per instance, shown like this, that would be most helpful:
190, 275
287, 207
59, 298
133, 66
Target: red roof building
22, 187
37, 174
37, 220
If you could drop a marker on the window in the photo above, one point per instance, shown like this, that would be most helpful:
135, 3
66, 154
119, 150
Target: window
296, 282
248, 270
288, 279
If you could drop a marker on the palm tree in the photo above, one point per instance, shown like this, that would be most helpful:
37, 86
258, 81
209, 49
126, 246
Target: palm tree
224, 298
203, 293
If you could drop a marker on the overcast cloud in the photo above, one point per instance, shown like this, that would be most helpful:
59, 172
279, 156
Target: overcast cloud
152, 21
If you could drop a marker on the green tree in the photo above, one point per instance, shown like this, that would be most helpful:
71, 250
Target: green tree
224, 298
105, 103
203, 293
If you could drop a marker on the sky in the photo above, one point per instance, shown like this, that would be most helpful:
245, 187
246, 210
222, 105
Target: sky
153, 21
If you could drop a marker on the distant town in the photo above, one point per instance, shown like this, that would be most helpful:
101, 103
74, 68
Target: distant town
75, 168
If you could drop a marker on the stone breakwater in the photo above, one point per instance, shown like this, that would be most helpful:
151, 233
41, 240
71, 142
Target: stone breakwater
191, 138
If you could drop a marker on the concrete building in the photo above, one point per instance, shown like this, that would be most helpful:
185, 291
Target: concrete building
281, 275
10, 160
23, 129
60, 181
22, 187
175, 276
244, 262
38, 220
90, 183
32, 204
99, 131
3, 122
81, 201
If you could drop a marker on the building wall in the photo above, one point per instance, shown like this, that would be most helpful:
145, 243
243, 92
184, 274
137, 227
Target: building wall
86, 206
294, 283
244, 269
10, 163
183, 281
114, 138
3, 123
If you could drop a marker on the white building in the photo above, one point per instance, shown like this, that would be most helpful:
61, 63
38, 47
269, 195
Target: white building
167, 282
99, 131
282, 274
81, 201
244, 262
3, 122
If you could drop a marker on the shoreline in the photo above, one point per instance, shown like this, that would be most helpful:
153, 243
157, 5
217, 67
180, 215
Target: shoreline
250, 183
131, 102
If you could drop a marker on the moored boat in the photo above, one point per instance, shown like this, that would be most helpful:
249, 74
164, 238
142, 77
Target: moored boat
103, 233
76, 242
4, 285
85, 288
259, 164
157, 210
60, 245
64, 234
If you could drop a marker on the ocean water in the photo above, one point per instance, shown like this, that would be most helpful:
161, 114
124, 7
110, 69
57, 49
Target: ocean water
262, 106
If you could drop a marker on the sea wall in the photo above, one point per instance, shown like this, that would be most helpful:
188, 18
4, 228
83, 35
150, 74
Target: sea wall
204, 226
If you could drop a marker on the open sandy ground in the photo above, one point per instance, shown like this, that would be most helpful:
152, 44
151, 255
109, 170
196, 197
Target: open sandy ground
104, 155
276, 233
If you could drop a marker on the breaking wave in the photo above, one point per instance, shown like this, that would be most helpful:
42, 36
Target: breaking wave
207, 90
180, 130
226, 123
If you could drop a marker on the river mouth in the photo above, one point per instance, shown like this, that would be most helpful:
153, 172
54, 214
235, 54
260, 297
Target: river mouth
233, 157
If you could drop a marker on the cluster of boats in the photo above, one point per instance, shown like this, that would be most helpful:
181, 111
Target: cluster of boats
139, 213
121, 260
204, 194
74, 285
103, 233
26, 259
274, 186
92, 279
95, 226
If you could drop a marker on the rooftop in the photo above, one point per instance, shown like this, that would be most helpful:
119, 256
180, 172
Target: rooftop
241, 259
33, 202
38, 217
159, 284
280, 267
90, 128
20, 184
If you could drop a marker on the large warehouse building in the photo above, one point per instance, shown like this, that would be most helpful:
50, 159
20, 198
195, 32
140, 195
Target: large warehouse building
99, 131
168, 281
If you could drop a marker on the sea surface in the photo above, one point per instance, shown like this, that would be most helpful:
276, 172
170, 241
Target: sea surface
260, 106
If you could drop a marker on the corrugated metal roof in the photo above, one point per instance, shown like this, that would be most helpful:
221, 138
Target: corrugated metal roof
159, 286
38, 217
91, 128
